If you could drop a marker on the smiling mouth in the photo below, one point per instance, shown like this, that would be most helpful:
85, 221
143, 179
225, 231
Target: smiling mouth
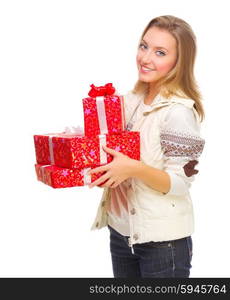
146, 70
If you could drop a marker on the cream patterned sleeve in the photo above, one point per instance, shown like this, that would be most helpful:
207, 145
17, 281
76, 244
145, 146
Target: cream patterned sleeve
182, 147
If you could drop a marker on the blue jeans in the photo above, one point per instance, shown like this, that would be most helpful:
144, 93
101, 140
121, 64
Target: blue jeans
166, 259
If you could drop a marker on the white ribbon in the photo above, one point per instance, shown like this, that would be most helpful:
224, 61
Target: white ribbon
42, 172
101, 115
122, 113
51, 150
86, 177
102, 142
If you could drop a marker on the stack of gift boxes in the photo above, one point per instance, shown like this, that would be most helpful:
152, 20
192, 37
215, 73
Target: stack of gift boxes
63, 159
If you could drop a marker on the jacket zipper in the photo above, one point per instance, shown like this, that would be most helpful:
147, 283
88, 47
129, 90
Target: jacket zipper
129, 238
131, 246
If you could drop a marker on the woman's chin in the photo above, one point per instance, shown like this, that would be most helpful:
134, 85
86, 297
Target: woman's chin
147, 80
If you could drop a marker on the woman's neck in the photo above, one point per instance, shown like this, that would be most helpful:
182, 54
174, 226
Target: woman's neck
151, 95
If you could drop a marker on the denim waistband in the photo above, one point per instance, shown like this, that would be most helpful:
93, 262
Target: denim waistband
126, 238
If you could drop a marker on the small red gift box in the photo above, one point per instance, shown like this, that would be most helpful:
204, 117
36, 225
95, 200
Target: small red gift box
103, 111
62, 177
44, 148
79, 151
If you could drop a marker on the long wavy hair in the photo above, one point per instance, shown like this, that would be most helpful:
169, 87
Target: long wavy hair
180, 81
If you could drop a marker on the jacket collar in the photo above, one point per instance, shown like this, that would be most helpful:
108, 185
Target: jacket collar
160, 101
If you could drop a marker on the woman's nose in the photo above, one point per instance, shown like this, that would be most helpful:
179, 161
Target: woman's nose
147, 57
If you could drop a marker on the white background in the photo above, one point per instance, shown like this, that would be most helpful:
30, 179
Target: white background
51, 51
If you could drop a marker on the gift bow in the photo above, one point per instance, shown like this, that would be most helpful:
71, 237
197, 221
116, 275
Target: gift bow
105, 90
99, 93
73, 130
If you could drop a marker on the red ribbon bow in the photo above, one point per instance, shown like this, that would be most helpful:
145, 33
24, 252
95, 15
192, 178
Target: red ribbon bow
105, 90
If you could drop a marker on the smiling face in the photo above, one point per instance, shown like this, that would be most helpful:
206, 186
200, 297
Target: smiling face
157, 54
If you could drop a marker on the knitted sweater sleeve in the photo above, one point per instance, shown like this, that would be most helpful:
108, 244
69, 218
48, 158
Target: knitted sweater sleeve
182, 146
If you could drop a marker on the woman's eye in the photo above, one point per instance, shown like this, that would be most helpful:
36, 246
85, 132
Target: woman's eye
142, 45
161, 53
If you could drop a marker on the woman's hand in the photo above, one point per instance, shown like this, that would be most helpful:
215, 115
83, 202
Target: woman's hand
116, 172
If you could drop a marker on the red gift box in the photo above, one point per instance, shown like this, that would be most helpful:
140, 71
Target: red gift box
44, 148
103, 111
79, 151
57, 177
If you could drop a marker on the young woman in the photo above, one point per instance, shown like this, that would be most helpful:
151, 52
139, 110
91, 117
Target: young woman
146, 204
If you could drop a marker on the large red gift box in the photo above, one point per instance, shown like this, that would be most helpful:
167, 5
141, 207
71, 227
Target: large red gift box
62, 177
79, 151
103, 111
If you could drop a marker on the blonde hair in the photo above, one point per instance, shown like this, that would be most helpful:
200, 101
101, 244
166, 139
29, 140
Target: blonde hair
180, 81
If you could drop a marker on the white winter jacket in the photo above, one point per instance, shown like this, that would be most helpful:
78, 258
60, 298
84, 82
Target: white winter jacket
170, 141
